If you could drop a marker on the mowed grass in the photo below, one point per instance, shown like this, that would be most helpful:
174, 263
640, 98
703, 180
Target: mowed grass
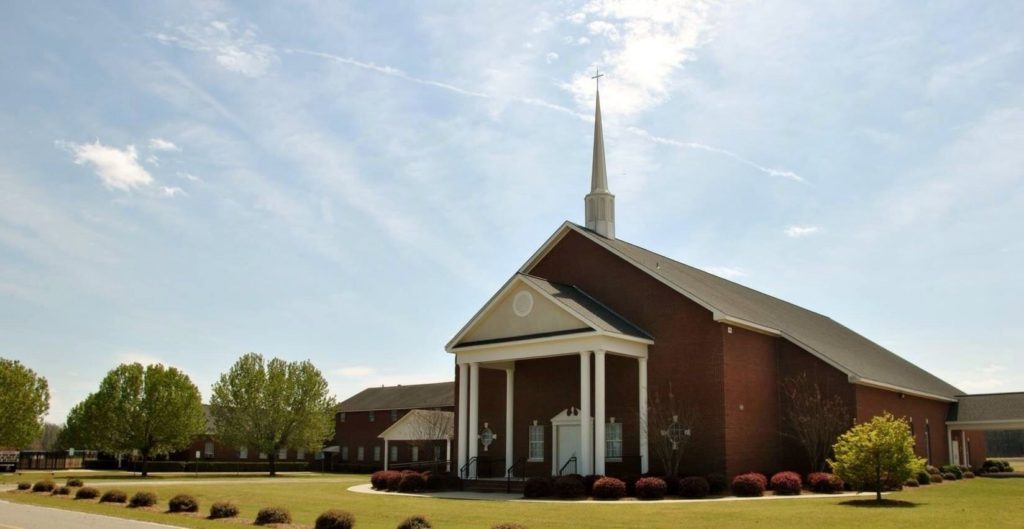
981, 503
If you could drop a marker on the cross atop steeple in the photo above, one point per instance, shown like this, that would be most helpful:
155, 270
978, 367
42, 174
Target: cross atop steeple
599, 203
597, 78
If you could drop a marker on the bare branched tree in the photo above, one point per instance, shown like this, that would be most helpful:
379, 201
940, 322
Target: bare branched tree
812, 418
430, 427
669, 427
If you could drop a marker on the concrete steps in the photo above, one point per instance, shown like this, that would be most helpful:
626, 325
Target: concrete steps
492, 485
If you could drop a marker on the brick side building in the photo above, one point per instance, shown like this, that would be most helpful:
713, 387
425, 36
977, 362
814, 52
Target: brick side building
563, 368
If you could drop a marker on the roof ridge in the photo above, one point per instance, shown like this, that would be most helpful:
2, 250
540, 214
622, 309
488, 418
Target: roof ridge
611, 310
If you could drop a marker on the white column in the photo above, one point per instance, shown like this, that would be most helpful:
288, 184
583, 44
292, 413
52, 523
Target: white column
463, 414
586, 433
510, 377
387, 455
949, 445
644, 456
474, 416
599, 439
963, 447
448, 455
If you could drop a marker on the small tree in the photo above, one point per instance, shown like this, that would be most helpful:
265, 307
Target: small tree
24, 400
430, 427
669, 426
813, 419
874, 453
272, 405
153, 410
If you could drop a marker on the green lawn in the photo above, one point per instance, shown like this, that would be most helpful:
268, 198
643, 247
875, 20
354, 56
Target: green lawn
60, 476
982, 503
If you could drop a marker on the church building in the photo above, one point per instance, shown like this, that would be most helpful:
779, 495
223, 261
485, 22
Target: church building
564, 368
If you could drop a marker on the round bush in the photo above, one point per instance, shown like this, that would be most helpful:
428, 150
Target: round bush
114, 496
968, 475
378, 480
74, 482
948, 476
414, 522
825, 482
335, 519
651, 488
608, 488
936, 478
273, 515
44, 485
24, 485
923, 478
223, 509
393, 479
931, 469
86, 493
568, 487
786, 483
749, 485
694, 487
183, 503
142, 499
718, 483
412, 482
61, 491
952, 469
508, 526
537, 487
911, 483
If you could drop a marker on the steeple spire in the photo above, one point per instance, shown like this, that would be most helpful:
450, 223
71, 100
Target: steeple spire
599, 203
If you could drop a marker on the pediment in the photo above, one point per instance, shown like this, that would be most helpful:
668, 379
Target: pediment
521, 311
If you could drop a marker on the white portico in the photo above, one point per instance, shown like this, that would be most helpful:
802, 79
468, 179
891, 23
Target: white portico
532, 318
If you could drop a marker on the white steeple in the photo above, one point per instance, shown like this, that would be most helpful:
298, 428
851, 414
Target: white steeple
600, 203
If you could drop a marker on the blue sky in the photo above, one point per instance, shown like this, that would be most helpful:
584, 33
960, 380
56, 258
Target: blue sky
185, 182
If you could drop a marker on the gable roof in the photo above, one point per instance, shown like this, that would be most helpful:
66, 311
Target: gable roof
421, 425
864, 361
436, 395
991, 407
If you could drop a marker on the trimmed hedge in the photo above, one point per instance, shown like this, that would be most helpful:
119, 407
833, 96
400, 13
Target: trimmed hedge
114, 496
694, 487
44, 485
936, 478
86, 493
588, 483
651, 488
24, 485
952, 469
74, 482
671, 485
142, 499
923, 478
335, 519
825, 482
949, 476
413, 522
273, 515
62, 490
223, 509
749, 485
537, 487
569, 487
911, 483
786, 483
411, 482
608, 488
183, 503
718, 483
968, 475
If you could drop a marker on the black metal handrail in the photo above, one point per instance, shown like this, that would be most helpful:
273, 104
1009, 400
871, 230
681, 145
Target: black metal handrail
510, 473
571, 461
420, 464
464, 469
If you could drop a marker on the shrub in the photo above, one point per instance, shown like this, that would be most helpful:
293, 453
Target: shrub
923, 478
61, 491
694, 487
114, 496
86, 493
142, 499
968, 475
508, 526
569, 487
936, 478
273, 515
671, 485
651, 488
588, 483
414, 522
537, 487
786, 483
335, 519
718, 483
911, 483
749, 485
952, 469
24, 485
931, 469
432, 481
630, 482
183, 503
948, 476
74, 482
44, 485
825, 482
393, 479
379, 480
608, 488
411, 482
223, 509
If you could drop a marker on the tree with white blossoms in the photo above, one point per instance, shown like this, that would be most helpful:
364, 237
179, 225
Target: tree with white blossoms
874, 453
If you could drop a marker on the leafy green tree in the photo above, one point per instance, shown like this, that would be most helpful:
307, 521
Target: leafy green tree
272, 405
24, 400
872, 454
153, 410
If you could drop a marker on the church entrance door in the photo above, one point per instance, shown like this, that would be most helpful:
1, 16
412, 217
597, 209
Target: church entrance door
568, 445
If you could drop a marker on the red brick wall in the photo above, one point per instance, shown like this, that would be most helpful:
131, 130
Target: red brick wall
927, 414
751, 402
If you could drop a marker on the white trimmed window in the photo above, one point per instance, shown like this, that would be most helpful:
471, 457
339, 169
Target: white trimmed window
393, 456
208, 449
344, 453
300, 453
437, 453
536, 442
613, 441
359, 454
243, 452
376, 453
341, 417
371, 416
415, 453
394, 415
282, 454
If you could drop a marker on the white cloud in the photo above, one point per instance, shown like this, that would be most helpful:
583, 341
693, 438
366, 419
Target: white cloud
355, 371
551, 57
119, 169
801, 231
153, 160
727, 272
236, 50
160, 144
190, 177
172, 192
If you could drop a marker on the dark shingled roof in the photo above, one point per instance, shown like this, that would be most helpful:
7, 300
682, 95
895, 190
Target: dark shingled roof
851, 352
436, 395
578, 301
990, 407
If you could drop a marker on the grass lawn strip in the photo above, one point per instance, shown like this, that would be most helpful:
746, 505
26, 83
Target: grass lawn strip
978, 503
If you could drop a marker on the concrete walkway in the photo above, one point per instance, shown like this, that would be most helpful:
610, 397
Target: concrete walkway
19, 516
366, 488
